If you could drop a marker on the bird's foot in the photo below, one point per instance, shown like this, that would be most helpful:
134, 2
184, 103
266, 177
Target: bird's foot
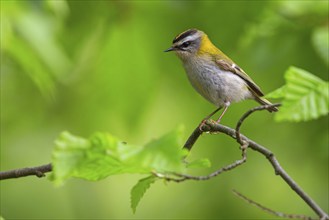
203, 122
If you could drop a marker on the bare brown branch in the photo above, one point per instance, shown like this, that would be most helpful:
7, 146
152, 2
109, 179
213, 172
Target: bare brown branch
193, 138
38, 171
213, 127
247, 114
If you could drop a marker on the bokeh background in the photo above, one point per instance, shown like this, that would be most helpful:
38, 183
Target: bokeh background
87, 66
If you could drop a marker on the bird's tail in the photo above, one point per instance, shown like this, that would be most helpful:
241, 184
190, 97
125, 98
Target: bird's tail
264, 101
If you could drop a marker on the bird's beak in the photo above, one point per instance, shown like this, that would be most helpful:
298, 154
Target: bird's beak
169, 49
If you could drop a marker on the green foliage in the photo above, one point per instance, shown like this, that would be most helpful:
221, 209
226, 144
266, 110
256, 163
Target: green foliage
103, 155
203, 162
138, 191
305, 96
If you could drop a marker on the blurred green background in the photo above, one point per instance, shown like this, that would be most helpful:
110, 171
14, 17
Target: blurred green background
87, 66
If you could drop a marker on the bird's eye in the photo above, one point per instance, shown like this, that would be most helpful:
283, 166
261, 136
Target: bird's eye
186, 44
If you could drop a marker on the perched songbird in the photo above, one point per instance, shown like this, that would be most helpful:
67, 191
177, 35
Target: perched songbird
215, 76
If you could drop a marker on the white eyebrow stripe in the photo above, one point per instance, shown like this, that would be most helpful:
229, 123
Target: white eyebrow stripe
191, 38
188, 38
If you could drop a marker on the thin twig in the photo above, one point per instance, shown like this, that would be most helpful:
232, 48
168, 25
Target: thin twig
279, 214
178, 177
246, 115
38, 171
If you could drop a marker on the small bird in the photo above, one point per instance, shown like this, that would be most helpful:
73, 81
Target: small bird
212, 74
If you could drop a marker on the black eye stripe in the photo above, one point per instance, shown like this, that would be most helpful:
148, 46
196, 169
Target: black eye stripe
186, 44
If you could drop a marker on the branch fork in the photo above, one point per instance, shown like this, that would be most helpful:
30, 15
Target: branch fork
210, 127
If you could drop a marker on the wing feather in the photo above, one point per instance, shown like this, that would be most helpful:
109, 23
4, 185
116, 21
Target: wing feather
232, 67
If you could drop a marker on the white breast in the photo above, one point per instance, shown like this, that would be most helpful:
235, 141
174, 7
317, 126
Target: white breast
216, 85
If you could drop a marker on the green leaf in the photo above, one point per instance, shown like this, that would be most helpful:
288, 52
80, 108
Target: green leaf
138, 191
305, 96
165, 153
199, 163
278, 93
27, 59
103, 155
320, 42
30, 40
67, 155
106, 156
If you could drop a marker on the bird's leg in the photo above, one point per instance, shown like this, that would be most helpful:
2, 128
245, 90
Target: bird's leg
206, 118
226, 104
